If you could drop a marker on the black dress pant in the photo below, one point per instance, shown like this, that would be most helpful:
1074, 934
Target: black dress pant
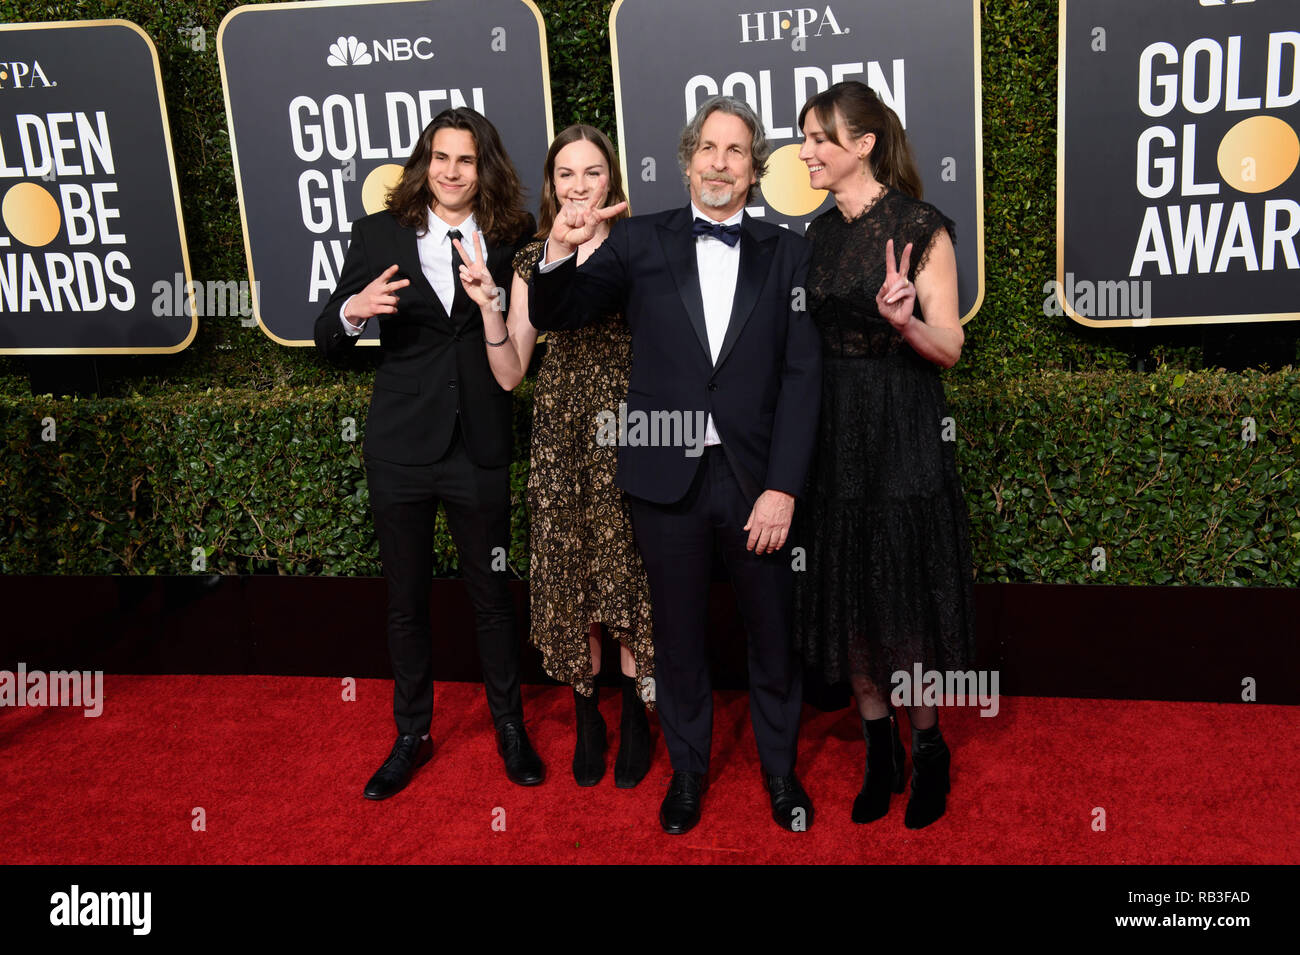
677, 542
476, 500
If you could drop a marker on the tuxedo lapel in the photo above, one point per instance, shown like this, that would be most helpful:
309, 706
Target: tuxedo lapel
679, 250
755, 260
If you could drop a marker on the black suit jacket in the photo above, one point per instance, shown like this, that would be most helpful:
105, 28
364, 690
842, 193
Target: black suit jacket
433, 366
764, 392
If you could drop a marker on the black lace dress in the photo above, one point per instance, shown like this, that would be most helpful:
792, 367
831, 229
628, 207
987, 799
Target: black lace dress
888, 581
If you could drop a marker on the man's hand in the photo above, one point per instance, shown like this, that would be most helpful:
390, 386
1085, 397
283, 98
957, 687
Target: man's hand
574, 225
769, 522
474, 276
377, 298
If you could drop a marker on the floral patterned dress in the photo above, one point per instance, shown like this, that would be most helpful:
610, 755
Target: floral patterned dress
584, 566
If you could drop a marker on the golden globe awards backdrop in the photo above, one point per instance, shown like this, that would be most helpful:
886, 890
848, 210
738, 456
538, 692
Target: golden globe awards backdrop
325, 101
1177, 193
921, 58
92, 248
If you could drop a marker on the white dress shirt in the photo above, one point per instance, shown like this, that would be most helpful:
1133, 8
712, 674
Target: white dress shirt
434, 248
718, 265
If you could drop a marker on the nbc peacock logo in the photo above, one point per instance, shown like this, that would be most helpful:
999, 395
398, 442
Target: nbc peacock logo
348, 51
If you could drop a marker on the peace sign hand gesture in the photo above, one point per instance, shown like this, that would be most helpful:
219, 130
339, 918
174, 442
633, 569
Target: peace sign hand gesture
475, 277
897, 295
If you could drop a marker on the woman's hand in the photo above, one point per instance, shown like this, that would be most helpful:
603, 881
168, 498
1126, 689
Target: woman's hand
475, 277
897, 294
939, 336
574, 225
377, 298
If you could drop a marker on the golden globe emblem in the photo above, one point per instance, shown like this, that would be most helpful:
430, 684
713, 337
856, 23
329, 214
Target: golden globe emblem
785, 187
1258, 154
380, 182
30, 214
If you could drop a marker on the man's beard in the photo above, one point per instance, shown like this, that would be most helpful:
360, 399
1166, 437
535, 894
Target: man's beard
714, 195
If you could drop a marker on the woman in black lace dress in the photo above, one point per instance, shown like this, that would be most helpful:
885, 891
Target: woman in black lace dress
888, 582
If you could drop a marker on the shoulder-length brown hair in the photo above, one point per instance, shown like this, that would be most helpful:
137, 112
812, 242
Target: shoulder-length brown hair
615, 195
498, 206
864, 112
760, 148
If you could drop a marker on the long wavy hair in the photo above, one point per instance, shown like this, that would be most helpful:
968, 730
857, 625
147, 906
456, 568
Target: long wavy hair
575, 133
864, 112
499, 203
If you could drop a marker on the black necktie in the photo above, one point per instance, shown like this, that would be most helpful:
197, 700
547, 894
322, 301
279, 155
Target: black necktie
457, 290
453, 235
729, 234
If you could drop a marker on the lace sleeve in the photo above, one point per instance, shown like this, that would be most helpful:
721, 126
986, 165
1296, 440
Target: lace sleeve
927, 222
526, 259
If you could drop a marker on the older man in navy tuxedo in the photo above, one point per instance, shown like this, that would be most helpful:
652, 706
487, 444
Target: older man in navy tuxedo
713, 298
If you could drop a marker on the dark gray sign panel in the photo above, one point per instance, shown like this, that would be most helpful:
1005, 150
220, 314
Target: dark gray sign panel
921, 57
92, 248
1177, 195
325, 101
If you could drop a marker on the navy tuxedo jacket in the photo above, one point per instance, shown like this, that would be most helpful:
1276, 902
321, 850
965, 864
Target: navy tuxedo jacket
764, 391
433, 366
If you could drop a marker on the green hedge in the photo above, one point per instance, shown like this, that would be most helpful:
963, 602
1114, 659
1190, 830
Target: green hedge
1152, 469
260, 483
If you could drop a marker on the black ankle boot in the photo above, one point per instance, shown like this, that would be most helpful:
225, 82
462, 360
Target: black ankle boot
884, 769
930, 785
633, 760
589, 753
900, 754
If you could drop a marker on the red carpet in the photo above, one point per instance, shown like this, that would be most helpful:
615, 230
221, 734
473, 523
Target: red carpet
278, 764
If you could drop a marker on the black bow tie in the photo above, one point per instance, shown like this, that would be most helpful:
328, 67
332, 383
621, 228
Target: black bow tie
729, 234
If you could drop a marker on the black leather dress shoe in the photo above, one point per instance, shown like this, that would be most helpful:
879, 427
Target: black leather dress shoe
791, 807
523, 765
409, 754
680, 810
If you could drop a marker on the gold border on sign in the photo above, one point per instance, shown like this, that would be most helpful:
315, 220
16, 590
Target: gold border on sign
618, 94
1060, 230
977, 105
234, 150
176, 197
979, 161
